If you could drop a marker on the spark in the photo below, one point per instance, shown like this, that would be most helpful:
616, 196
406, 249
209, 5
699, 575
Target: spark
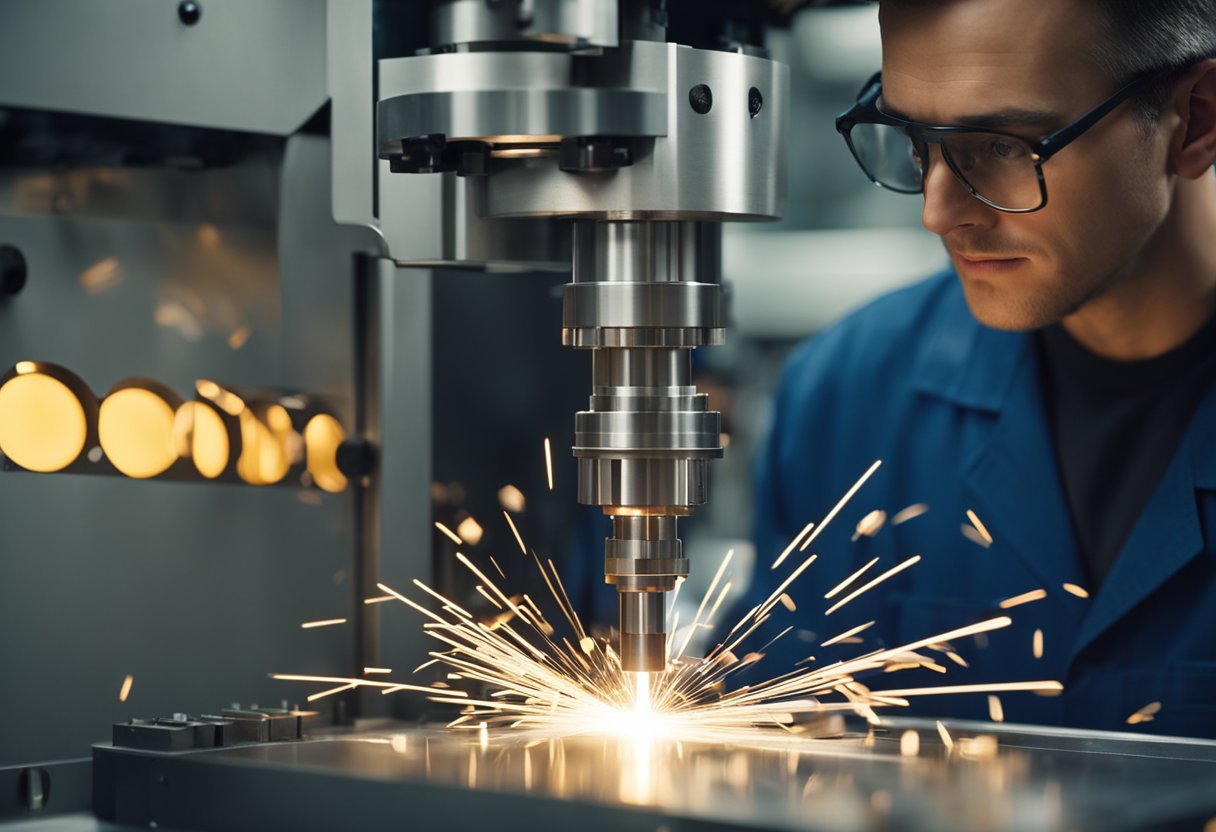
512, 499
847, 634
843, 502
982, 747
379, 599
909, 743
995, 710
339, 689
975, 537
947, 740
518, 672
470, 531
1073, 589
1038, 644
515, 532
1145, 714
325, 622
126, 688
797, 539
1024, 598
549, 461
455, 538
979, 526
870, 525
840, 586
909, 513
377, 670
985, 688
912, 561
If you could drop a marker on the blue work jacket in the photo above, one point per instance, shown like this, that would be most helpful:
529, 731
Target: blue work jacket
955, 411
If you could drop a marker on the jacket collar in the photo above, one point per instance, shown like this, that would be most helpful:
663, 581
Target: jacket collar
960, 360
1012, 475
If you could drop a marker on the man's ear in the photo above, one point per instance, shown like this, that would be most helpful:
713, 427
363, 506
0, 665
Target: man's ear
1195, 99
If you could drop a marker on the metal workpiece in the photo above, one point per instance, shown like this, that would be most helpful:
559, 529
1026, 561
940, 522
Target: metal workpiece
1000, 778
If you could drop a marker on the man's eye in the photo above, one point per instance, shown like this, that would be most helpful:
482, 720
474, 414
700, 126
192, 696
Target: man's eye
1003, 149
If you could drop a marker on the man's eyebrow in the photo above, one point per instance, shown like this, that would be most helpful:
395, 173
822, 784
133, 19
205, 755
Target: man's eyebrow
999, 119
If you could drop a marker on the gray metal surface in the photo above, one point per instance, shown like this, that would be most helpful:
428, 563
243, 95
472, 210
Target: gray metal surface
722, 165
239, 274
1034, 781
573, 23
258, 67
196, 590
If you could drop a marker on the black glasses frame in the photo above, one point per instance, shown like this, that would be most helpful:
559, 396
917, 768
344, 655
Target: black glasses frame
866, 111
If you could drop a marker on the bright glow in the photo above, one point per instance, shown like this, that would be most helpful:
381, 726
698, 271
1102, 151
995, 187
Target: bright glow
42, 423
549, 461
979, 527
515, 532
126, 688
136, 428
512, 499
264, 459
200, 435
470, 531
328, 622
526, 675
1024, 598
641, 696
101, 276
451, 535
322, 436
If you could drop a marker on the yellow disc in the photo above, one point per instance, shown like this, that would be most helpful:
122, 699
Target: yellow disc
136, 430
322, 436
264, 459
202, 437
42, 423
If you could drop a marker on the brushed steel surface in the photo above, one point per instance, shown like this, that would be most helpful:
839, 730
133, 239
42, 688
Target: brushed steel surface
1038, 779
724, 165
517, 116
572, 23
258, 67
647, 481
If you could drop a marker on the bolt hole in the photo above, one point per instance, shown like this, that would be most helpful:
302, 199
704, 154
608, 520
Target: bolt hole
701, 98
755, 102
189, 12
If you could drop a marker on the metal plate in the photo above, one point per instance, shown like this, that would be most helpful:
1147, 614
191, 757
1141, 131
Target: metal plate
1039, 779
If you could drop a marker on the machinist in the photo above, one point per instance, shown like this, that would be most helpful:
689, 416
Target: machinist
1059, 380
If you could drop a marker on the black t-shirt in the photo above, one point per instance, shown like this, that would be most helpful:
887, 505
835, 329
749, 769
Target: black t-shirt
1116, 426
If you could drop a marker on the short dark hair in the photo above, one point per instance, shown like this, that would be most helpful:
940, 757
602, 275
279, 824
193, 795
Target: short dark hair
1147, 35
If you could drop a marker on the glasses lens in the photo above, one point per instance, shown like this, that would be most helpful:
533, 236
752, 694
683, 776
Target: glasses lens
887, 156
998, 168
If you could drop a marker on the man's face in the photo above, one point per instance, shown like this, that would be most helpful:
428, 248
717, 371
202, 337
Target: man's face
1024, 68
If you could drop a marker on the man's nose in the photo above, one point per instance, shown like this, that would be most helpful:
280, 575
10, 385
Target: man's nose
948, 202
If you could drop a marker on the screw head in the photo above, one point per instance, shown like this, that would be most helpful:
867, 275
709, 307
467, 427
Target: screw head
701, 98
755, 102
189, 12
